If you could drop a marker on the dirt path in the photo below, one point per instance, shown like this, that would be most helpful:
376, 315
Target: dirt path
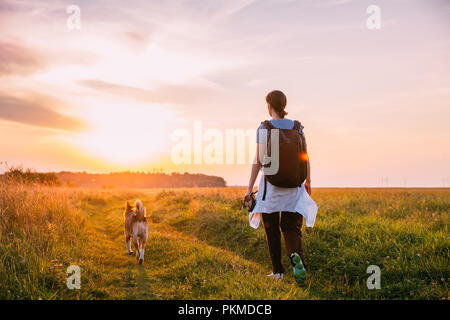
177, 265
124, 277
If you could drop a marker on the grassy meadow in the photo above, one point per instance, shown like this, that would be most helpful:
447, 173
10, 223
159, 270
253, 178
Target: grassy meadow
201, 247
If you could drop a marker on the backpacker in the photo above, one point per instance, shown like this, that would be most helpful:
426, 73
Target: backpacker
293, 158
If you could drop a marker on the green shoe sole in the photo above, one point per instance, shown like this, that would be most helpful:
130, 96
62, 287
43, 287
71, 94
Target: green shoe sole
299, 269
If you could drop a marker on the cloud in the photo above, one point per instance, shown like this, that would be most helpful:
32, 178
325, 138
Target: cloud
176, 94
331, 3
137, 37
33, 111
189, 101
16, 59
19, 59
8, 6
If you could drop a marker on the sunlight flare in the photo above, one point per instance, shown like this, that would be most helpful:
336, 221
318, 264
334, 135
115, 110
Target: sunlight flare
125, 134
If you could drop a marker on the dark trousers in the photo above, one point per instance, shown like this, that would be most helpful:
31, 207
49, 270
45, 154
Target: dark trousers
291, 227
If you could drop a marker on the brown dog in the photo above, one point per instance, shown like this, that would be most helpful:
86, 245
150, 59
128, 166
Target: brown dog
136, 228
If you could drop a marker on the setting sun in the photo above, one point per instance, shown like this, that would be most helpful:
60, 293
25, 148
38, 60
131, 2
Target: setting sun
124, 134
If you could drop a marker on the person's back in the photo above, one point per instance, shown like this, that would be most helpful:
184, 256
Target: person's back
286, 156
291, 203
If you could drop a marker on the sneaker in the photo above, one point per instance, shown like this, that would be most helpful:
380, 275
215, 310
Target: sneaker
299, 268
278, 276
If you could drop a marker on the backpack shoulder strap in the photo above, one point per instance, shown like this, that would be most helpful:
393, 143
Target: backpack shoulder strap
297, 125
267, 125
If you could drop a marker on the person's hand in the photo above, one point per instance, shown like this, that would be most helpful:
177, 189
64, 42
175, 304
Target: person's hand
308, 186
248, 195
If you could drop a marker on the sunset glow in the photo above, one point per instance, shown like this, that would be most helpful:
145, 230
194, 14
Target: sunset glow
124, 134
109, 96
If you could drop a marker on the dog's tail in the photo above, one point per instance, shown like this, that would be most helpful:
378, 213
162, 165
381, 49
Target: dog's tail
140, 210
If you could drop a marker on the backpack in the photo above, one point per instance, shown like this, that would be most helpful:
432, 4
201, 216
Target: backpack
293, 158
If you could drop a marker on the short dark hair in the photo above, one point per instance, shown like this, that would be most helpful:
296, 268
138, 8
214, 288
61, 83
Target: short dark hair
277, 101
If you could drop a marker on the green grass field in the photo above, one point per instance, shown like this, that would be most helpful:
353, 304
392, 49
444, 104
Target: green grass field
201, 247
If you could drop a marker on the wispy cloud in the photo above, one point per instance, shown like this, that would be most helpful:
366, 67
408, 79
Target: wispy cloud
17, 59
22, 60
191, 98
33, 111
331, 3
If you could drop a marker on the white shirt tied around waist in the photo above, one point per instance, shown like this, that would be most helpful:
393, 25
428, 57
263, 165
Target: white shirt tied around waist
283, 199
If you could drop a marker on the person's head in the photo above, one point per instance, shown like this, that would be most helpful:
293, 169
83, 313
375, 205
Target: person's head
276, 102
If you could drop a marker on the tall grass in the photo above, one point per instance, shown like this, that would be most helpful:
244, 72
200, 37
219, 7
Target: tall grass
403, 231
41, 232
201, 247
20, 175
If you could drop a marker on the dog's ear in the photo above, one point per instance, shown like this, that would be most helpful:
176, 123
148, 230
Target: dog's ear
128, 205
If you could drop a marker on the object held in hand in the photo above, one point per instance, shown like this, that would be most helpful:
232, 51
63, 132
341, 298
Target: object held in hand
249, 204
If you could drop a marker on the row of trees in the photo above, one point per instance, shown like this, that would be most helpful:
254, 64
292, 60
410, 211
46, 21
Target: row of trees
19, 175
140, 180
114, 179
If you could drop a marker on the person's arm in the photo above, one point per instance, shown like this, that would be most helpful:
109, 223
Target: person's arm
256, 167
308, 178
308, 169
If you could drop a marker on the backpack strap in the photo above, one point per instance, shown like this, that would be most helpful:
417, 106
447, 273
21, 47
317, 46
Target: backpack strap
265, 189
268, 125
269, 128
297, 125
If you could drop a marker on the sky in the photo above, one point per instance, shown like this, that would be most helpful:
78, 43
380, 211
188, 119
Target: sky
111, 95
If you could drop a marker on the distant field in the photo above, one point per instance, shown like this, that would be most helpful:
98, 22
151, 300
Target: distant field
201, 247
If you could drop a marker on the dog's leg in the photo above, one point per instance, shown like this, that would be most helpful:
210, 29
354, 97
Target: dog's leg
136, 246
128, 240
141, 258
